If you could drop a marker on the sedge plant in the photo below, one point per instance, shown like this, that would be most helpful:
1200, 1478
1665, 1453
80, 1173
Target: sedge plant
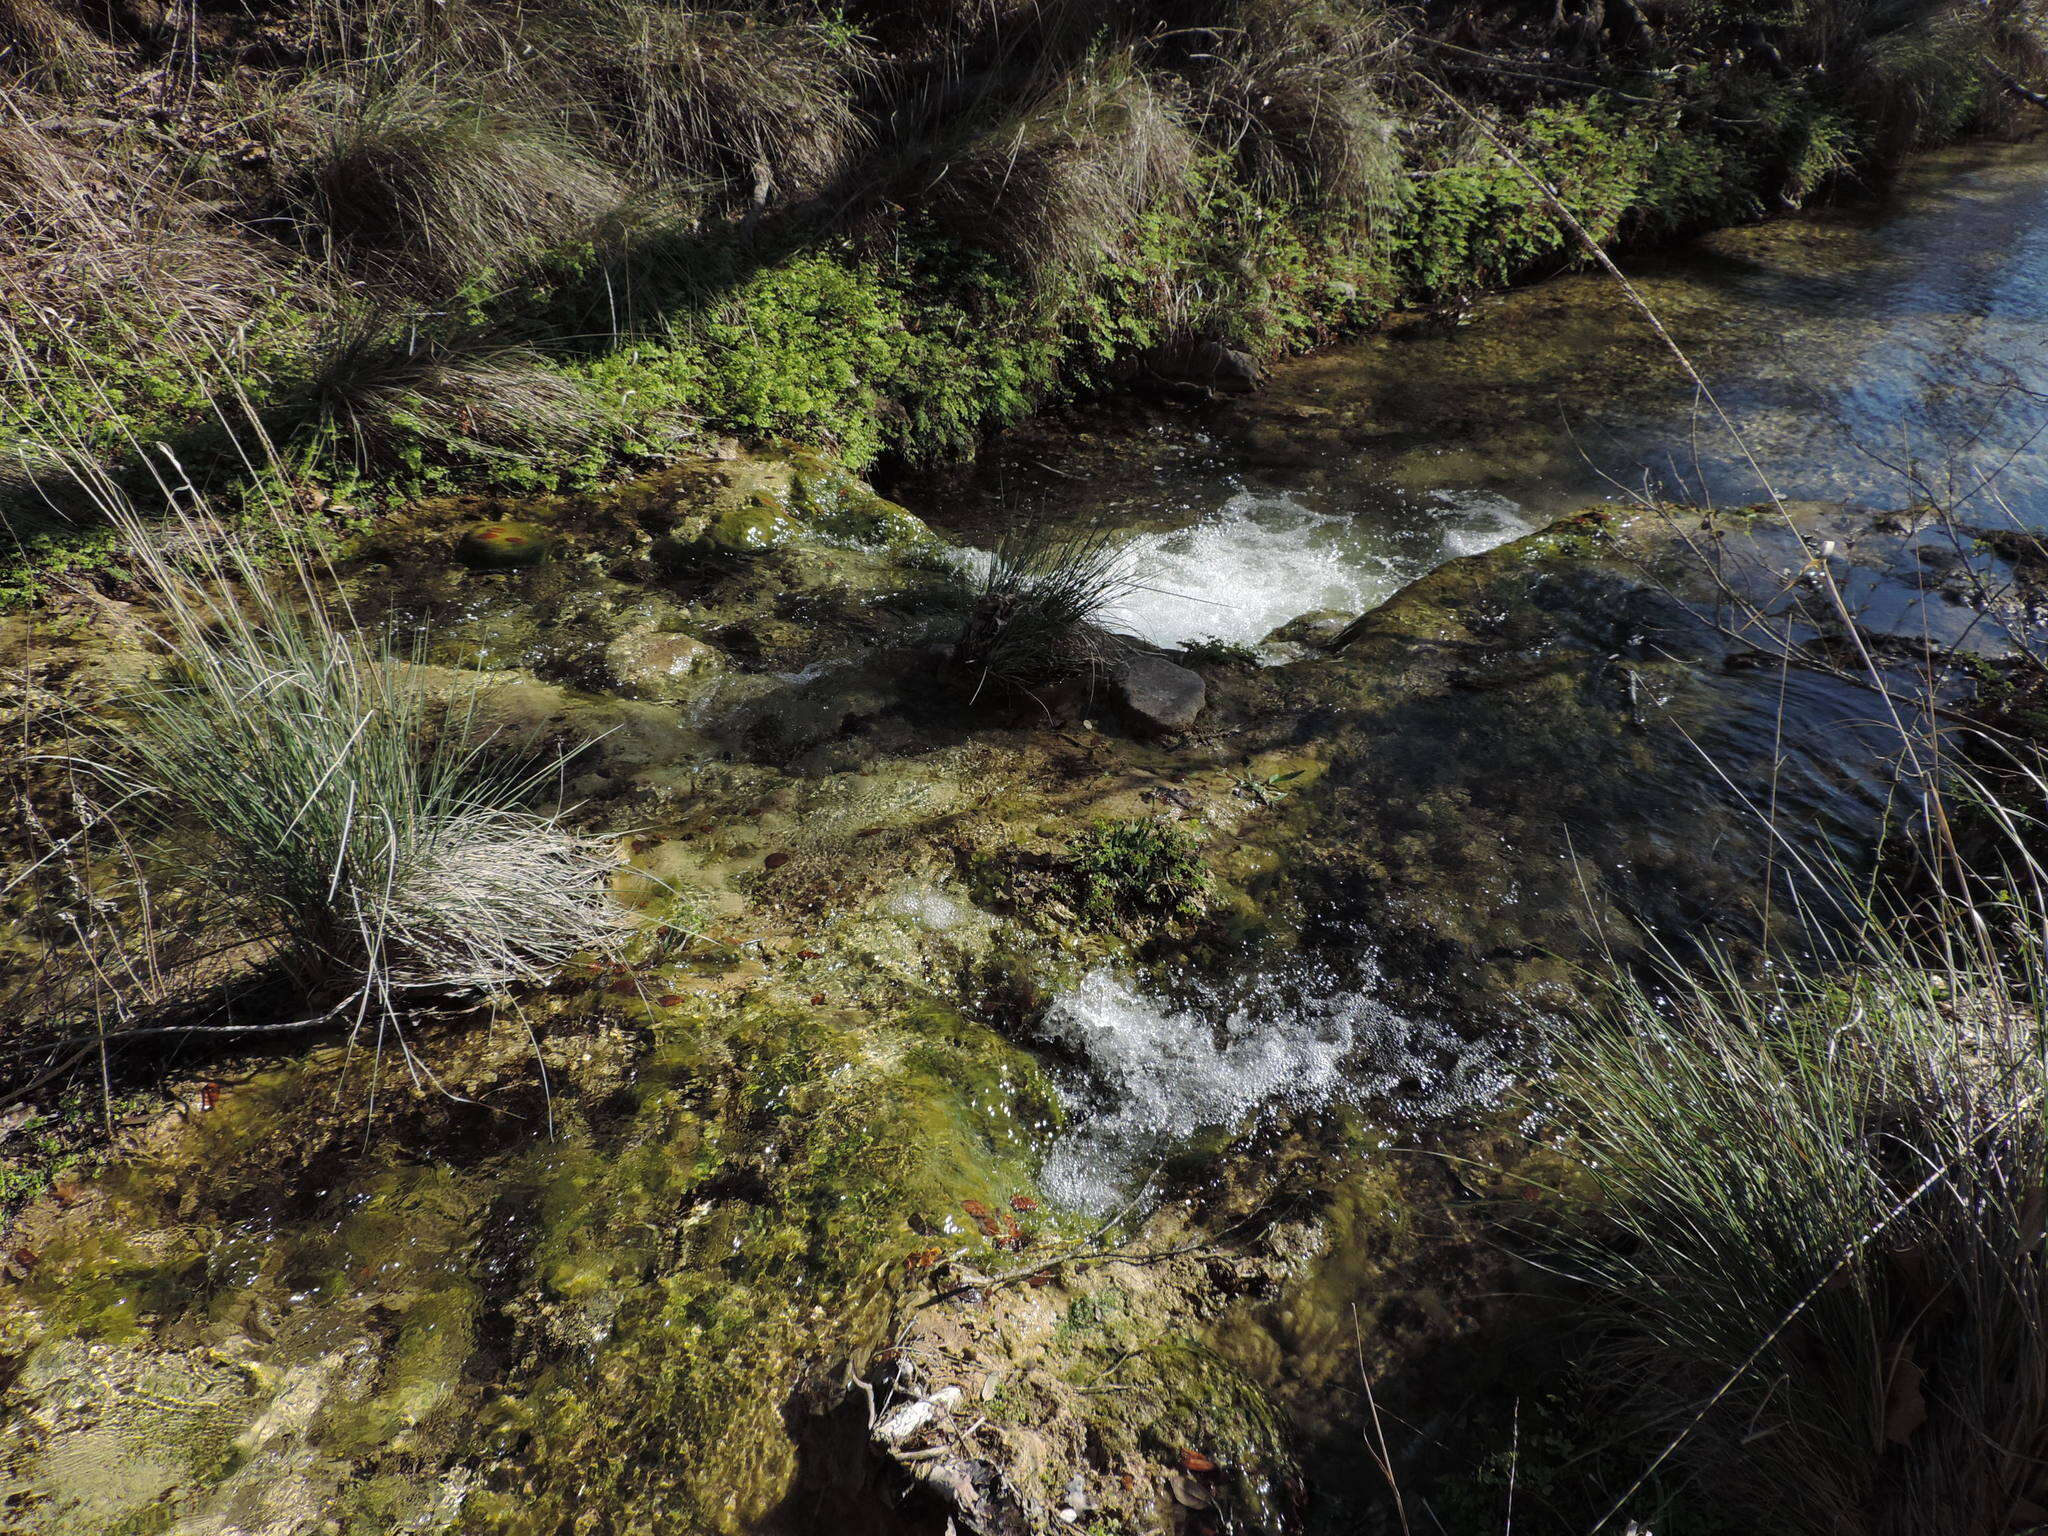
1814, 1215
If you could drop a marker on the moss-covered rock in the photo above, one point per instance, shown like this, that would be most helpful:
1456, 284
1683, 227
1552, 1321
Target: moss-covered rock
502, 546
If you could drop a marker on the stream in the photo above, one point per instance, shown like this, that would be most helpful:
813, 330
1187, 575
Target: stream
1887, 353
642, 1290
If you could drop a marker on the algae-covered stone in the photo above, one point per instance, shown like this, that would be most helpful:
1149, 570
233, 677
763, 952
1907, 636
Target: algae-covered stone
1316, 628
841, 506
651, 664
502, 546
753, 529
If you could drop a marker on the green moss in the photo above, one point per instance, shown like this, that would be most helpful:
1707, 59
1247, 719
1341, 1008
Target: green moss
751, 1229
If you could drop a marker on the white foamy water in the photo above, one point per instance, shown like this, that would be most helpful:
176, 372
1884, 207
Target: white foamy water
1156, 1074
1260, 560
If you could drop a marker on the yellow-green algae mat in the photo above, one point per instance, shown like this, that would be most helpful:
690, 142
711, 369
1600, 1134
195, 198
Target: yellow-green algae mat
270, 1321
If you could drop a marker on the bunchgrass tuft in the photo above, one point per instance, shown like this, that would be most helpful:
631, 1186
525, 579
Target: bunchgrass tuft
716, 95
1037, 603
1293, 86
424, 185
1814, 1222
385, 393
338, 802
1062, 184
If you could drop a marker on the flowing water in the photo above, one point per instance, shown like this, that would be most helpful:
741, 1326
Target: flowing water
1889, 354
707, 1209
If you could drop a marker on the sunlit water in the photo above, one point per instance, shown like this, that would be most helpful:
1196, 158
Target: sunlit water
1158, 1071
1257, 561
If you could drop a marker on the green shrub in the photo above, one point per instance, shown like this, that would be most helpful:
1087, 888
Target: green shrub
1147, 870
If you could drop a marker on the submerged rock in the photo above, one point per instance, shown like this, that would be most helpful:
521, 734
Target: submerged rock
753, 529
1154, 694
652, 664
502, 546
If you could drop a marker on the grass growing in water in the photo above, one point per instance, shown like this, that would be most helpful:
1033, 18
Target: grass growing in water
1033, 622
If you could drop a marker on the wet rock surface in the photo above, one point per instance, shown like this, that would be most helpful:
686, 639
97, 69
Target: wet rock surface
1154, 694
806, 1149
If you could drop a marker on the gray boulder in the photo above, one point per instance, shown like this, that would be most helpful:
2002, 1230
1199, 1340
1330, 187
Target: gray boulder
1154, 694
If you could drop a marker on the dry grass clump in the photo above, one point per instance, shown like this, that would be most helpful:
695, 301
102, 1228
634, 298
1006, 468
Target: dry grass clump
382, 390
40, 37
423, 184
710, 96
1062, 183
82, 238
1294, 87
337, 802
1817, 1219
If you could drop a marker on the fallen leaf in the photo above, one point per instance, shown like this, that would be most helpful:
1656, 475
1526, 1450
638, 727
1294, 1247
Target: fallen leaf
1023, 1203
1039, 1281
672, 1000
817, 998
775, 861
1195, 1461
809, 954
209, 1096
923, 1259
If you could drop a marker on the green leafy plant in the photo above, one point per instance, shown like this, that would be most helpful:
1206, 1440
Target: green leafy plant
1147, 869
1215, 651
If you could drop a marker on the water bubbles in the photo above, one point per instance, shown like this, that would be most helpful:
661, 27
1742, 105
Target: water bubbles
1157, 1073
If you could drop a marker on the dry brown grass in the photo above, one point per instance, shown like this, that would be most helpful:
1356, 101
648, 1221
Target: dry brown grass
1061, 183
1294, 85
425, 182
40, 37
766, 103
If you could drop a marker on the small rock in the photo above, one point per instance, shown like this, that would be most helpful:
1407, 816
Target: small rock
900, 1425
1155, 694
1315, 629
651, 664
1206, 362
501, 546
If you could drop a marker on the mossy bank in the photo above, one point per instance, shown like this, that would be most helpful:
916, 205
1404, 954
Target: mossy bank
877, 232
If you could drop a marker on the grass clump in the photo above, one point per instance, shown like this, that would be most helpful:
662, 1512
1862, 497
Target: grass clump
1062, 185
424, 186
392, 398
1035, 609
1146, 870
702, 96
1815, 1230
338, 803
